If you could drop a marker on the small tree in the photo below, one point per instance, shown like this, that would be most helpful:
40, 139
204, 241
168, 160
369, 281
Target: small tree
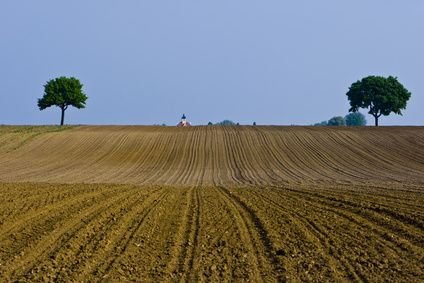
63, 92
337, 121
254, 123
210, 124
355, 119
379, 94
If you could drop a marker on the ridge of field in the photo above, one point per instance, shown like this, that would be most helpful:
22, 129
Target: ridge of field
128, 233
210, 155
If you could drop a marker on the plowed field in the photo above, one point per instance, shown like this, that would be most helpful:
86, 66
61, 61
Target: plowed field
292, 204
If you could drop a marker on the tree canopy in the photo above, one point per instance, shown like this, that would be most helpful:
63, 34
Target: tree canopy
63, 92
380, 95
355, 119
337, 121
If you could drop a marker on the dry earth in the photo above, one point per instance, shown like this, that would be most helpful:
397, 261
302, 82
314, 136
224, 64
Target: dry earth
211, 204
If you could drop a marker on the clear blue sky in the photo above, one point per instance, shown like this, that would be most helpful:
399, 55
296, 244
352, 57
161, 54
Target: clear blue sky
147, 62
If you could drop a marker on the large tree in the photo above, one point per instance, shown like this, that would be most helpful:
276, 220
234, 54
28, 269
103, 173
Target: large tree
63, 92
379, 94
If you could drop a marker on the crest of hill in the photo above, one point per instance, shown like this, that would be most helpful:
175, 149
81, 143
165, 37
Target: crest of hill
242, 155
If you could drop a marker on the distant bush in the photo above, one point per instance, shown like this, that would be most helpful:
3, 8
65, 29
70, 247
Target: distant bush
210, 124
355, 119
226, 123
337, 121
323, 123
352, 119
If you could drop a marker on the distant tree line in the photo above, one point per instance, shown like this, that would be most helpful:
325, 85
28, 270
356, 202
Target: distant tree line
352, 119
227, 123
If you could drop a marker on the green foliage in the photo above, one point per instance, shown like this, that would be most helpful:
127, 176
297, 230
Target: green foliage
63, 92
352, 119
210, 124
254, 123
378, 94
323, 123
226, 123
337, 121
355, 119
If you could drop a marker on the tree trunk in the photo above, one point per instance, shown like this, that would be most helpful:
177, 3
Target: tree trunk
62, 120
376, 120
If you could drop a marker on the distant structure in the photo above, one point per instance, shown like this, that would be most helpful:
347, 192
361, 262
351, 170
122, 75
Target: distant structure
184, 122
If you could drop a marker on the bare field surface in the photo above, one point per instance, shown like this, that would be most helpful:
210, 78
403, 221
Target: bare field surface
257, 204
215, 155
115, 233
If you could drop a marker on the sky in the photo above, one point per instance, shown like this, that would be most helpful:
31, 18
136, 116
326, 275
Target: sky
148, 62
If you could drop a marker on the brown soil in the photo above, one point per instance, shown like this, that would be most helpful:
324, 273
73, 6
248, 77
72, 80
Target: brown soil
212, 204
